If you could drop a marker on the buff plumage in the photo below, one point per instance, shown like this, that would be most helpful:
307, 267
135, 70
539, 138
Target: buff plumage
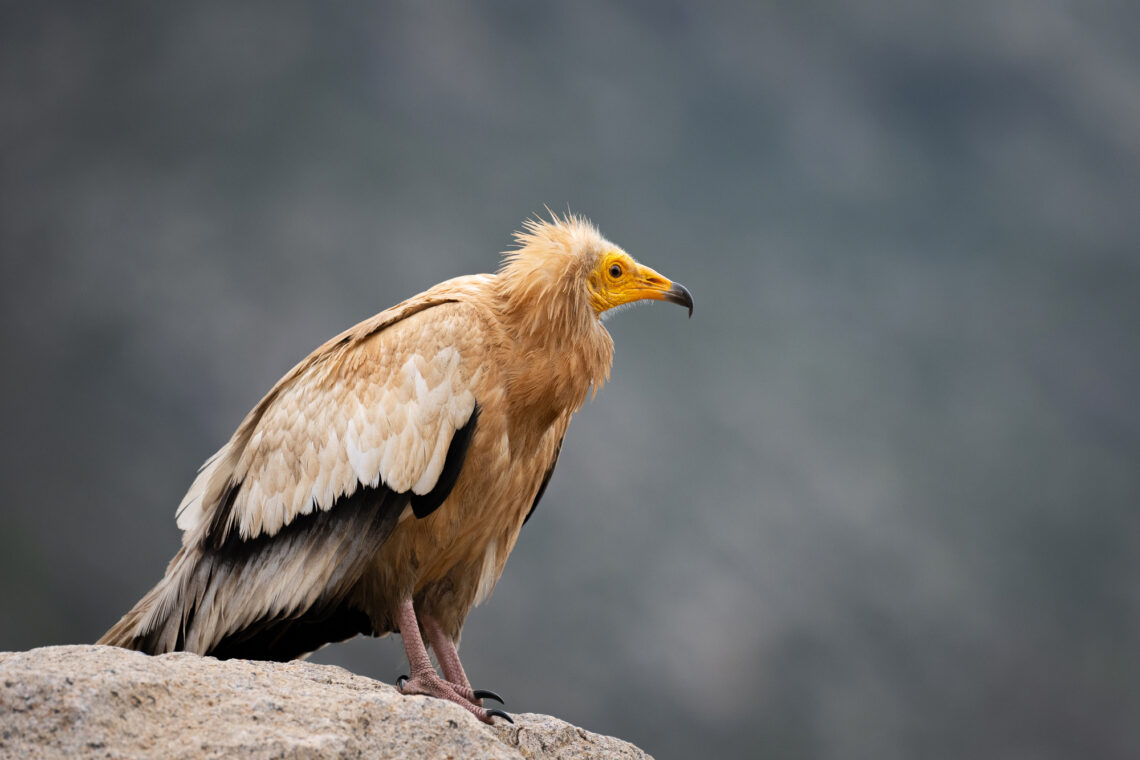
382, 483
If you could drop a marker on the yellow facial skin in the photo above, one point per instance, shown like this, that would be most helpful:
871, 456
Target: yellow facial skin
619, 280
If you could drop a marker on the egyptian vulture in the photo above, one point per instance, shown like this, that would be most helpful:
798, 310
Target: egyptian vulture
381, 484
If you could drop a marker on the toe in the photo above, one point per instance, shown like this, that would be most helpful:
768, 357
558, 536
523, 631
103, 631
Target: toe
430, 684
496, 713
487, 694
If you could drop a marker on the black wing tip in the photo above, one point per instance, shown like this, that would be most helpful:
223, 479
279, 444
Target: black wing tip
545, 482
221, 523
424, 504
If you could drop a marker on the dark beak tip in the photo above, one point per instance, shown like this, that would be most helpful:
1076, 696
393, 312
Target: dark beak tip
681, 296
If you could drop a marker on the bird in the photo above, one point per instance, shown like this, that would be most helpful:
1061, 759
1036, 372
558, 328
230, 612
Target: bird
381, 484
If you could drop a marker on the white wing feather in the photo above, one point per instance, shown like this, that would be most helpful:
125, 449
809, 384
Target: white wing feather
381, 411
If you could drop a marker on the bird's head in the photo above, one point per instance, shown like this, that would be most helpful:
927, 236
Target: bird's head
616, 280
565, 269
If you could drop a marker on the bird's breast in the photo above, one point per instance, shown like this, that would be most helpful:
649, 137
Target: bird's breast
466, 542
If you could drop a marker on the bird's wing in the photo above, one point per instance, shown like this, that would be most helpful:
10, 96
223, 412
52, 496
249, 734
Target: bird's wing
553, 440
379, 406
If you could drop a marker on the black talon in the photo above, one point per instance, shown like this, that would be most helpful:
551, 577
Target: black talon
400, 683
488, 694
500, 714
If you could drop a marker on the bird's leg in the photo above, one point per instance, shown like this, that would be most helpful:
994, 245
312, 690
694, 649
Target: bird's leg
448, 657
424, 679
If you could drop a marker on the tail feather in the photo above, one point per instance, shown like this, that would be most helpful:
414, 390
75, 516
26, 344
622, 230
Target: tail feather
123, 633
272, 597
156, 624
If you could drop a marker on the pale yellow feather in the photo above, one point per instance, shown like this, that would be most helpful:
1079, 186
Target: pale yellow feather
380, 404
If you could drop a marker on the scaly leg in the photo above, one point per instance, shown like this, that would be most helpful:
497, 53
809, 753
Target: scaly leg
448, 657
424, 679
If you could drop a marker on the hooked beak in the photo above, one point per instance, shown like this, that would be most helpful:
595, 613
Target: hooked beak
658, 288
681, 296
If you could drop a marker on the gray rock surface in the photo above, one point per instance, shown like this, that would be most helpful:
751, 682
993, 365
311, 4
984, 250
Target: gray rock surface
94, 701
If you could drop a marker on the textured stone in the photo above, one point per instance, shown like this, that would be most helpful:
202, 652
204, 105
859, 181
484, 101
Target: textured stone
93, 701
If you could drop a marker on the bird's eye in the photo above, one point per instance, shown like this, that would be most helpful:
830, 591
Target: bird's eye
615, 271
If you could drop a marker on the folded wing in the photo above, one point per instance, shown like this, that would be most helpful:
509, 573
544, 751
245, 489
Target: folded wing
281, 522
378, 410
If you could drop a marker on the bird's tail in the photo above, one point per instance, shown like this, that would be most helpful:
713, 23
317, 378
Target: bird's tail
272, 597
156, 624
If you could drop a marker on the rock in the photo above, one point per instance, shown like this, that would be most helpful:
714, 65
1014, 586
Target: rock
95, 701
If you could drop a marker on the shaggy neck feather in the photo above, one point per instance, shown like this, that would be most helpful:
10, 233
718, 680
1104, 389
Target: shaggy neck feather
563, 352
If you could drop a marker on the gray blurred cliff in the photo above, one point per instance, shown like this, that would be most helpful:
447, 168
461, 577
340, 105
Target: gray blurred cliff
878, 498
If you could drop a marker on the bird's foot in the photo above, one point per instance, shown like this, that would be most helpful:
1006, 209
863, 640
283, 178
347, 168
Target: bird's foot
474, 696
431, 685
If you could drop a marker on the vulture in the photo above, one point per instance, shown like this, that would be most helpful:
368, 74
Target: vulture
381, 484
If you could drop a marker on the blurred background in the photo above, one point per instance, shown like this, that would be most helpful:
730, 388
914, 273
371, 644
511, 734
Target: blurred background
879, 498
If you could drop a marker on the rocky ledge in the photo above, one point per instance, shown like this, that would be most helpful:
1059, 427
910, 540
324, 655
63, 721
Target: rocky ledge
94, 701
